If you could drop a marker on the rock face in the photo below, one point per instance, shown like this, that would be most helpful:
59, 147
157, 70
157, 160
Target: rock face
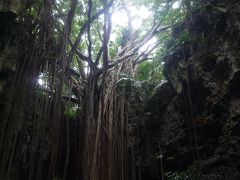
194, 117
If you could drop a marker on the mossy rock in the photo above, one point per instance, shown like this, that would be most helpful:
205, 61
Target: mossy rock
13, 6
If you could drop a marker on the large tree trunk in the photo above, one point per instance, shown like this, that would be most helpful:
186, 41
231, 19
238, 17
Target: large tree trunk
35, 135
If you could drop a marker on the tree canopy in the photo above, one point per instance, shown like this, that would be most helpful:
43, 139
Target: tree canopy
80, 72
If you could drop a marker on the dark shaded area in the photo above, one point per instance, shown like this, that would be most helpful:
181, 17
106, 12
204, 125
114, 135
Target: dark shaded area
192, 121
194, 116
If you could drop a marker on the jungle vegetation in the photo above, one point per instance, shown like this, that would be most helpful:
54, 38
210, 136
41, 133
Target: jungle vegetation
74, 78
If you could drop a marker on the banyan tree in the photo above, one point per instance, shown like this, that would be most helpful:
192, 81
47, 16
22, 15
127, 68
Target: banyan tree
57, 58
119, 89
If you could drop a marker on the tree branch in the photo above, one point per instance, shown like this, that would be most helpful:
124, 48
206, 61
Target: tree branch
144, 55
107, 27
122, 55
89, 31
84, 28
68, 23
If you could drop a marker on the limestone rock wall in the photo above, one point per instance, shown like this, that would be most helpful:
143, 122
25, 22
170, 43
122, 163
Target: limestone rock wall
194, 117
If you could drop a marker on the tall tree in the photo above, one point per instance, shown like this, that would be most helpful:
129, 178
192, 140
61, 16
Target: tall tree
66, 45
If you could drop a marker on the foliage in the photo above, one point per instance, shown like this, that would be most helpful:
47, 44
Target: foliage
189, 174
162, 12
68, 45
70, 110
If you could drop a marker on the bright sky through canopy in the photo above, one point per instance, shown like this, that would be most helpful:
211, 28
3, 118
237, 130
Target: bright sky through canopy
138, 14
176, 5
40, 81
120, 18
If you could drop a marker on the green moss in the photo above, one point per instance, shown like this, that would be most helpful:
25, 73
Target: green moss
14, 6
